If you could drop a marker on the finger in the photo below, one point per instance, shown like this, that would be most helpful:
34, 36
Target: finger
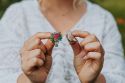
34, 53
35, 40
37, 53
34, 62
49, 46
31, 44
42, 35
74, 43
95, 47
81, 34
93, 55
48, 63
41, 46
89, 39
28, 66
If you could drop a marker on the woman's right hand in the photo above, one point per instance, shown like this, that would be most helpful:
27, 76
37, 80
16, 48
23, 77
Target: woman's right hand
36, 59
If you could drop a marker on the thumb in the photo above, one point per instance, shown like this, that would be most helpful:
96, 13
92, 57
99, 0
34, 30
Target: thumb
49, 46
74, 43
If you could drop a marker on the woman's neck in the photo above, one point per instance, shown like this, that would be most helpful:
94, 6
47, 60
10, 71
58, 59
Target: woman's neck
57, 4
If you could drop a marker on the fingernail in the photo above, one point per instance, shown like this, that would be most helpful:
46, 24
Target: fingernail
70, 37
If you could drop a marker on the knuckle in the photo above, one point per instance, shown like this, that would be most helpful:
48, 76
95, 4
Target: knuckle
99, 55
28, 73
38, 51
90, 53
34, 61
98, 44
93, 36
23, 53
86, 46
37, 41
26, 70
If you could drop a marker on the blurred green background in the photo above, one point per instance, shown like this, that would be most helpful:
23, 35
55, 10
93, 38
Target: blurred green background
116, 7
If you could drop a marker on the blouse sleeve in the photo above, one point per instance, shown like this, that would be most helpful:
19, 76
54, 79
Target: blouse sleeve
114, 65
10, 44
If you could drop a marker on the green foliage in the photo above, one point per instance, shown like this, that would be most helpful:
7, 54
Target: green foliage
117, 7
4, 4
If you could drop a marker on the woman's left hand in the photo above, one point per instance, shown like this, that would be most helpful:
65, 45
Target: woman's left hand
89, 56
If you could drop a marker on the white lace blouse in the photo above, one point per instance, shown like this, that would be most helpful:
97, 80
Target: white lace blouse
24, 19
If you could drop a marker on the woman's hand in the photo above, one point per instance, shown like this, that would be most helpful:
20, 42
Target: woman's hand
89, 56
36, 57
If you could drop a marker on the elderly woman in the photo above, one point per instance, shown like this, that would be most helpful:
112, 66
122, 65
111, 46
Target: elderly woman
93, 53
